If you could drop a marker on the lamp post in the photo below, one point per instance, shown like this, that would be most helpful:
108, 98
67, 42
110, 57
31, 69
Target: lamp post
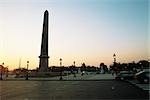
115, 66
74, 69
60, 69
114, 58
27, 70
2, 72
74, 63
7, 71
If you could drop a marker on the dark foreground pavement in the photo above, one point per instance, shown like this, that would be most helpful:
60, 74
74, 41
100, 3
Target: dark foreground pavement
70, 90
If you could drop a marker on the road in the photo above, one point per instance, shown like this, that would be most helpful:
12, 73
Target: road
70, 90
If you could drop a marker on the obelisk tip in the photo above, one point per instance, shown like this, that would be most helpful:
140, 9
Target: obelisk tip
46, 11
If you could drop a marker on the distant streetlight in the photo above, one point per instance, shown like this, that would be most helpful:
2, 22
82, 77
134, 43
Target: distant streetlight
74, 63
7, 71
74, 69
60, 69
27, 70
114, 58
2, 72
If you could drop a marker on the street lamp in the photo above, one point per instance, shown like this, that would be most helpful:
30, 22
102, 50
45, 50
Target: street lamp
7, 71
74, 63
60, 69
115, 64
2, 72
114, 58
74, 69
27, 70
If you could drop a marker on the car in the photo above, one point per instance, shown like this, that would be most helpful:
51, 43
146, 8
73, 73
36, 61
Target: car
142, 76
125, 75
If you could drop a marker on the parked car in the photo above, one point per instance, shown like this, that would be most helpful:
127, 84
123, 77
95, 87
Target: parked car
142, 76
125, 75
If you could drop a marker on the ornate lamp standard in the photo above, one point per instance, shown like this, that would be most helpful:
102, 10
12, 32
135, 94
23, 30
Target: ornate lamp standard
2, 72
7, 71
74, 63
27, 70
115, 67
114, 58
60, 69
74, 69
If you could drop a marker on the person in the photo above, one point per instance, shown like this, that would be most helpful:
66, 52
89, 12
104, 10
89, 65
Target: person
82, 73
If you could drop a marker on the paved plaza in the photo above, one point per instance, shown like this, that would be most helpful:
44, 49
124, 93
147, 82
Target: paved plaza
90, 76
86, 87
69, 90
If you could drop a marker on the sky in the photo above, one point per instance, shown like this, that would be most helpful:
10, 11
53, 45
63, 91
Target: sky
88, 31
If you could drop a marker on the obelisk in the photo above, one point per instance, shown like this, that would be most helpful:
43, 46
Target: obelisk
43, 66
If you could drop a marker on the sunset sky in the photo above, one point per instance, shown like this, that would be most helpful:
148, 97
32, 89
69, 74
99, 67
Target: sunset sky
88, 31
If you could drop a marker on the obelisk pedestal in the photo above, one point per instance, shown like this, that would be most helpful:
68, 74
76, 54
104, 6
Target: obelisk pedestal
43, 66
